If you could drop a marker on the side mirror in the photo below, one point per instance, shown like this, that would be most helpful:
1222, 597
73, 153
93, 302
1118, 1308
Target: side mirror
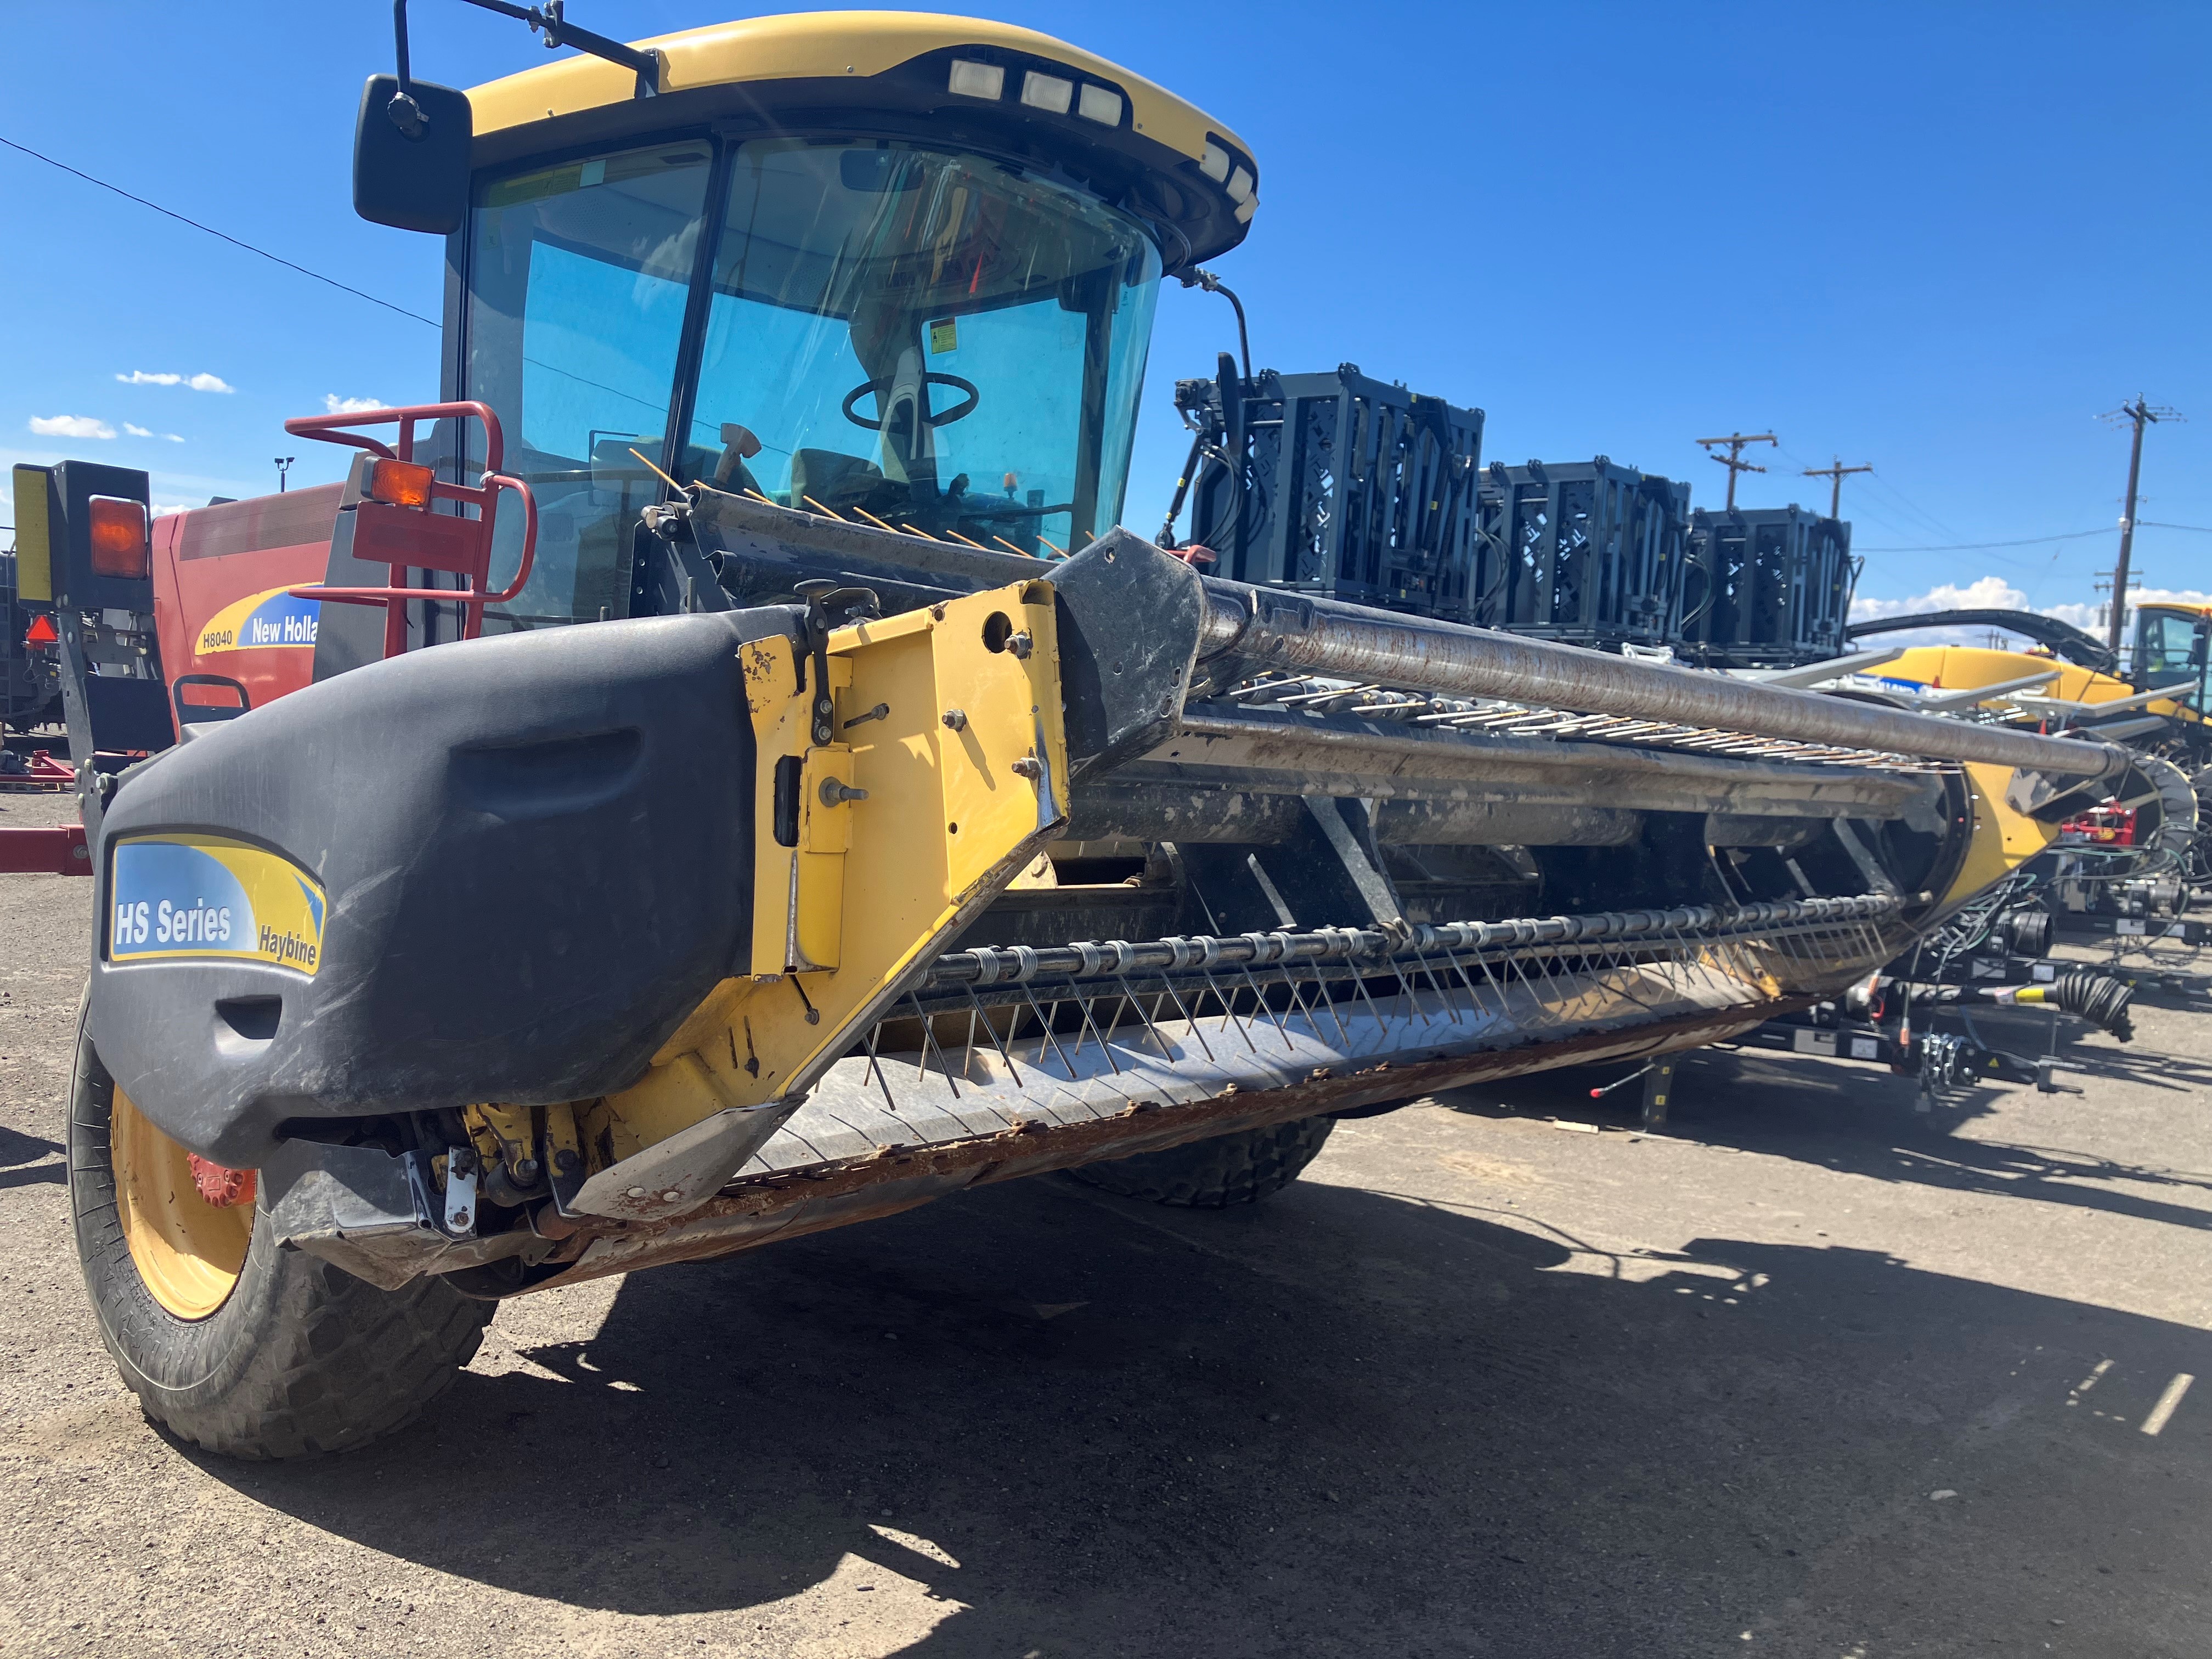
412, 172
2196, 647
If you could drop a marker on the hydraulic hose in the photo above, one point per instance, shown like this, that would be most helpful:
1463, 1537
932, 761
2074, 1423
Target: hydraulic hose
1167, 536
2101, 999
1198, 277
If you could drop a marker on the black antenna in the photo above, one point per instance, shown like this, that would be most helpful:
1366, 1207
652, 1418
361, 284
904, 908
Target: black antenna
551, 20
406, 114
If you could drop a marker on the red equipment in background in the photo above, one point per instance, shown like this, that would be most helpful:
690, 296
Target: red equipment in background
237, 587
2109, 825
57, 852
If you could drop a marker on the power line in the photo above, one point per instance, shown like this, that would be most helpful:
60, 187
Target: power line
1898, 507
168, 213
343, 287
1970, 547
1887, 489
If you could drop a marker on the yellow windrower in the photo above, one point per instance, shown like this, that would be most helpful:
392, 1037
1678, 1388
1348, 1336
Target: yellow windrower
685, 1033
1963, 668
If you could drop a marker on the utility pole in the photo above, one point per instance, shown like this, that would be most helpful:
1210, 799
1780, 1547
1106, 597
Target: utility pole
1732, 460
2103, 585
284, 470
2141, 414
1835, 474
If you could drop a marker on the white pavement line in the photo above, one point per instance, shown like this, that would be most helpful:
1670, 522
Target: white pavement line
2074, 1395
2167, 1402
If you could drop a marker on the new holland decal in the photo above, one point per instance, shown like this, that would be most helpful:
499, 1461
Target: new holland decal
270, 618
202, 896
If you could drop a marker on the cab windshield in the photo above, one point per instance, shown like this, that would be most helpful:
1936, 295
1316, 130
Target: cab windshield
928, 339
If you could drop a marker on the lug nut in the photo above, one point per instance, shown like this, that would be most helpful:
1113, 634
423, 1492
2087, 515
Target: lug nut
1029, 767
957, 719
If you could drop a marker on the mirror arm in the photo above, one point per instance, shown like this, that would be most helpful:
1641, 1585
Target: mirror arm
560, 32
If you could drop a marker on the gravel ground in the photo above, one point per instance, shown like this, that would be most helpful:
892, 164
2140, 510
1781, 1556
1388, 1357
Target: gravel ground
1813, 1374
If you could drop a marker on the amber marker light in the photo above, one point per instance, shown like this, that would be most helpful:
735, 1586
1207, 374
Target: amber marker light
403, 483
118, 538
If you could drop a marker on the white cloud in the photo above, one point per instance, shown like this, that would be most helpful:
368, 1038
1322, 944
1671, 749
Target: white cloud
1984, 594
196, 382
71, 426
1995, 593
143, 432
137, 431
162, 509
172, 437
334, 404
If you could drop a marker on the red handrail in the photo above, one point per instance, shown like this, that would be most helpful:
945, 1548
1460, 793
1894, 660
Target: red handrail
483, 496
331, 428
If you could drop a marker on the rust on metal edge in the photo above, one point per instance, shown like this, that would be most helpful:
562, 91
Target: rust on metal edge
1032, 1148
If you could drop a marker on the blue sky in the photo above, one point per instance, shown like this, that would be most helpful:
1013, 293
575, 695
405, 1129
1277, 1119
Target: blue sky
1937, 239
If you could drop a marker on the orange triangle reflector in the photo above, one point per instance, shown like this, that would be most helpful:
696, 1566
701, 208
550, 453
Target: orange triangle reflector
42, 632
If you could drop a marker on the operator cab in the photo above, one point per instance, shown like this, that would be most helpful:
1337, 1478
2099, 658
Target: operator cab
2171, 650
897, 270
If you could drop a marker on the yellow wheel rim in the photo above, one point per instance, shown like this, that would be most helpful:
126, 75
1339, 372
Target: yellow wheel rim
188, 1253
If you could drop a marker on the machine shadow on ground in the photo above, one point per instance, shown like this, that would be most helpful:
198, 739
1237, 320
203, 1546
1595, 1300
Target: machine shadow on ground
26, 1159
1341, 1422
1860, 1120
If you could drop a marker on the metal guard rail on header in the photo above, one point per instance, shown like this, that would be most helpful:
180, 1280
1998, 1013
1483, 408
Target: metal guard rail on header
1020, 964
483, 496
1008, 1036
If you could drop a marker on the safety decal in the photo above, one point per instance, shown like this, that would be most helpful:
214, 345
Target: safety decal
271, 618
202, 896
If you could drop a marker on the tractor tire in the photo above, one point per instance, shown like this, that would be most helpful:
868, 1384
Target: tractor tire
1212, 1175
285, 1355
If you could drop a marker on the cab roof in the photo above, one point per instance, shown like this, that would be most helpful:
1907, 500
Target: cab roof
887, 73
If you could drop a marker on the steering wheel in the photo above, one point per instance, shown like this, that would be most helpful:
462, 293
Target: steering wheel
945, 418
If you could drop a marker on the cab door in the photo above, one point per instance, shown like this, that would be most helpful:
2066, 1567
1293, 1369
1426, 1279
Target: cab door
2170, 649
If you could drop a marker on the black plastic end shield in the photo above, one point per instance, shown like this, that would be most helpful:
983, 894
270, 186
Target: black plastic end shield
503, 870
1129, 622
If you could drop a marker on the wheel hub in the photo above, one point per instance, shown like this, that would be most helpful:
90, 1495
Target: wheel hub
188, 1221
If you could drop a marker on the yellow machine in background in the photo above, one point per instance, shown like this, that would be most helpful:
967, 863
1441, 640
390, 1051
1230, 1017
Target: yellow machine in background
2066, 679
2154, 702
